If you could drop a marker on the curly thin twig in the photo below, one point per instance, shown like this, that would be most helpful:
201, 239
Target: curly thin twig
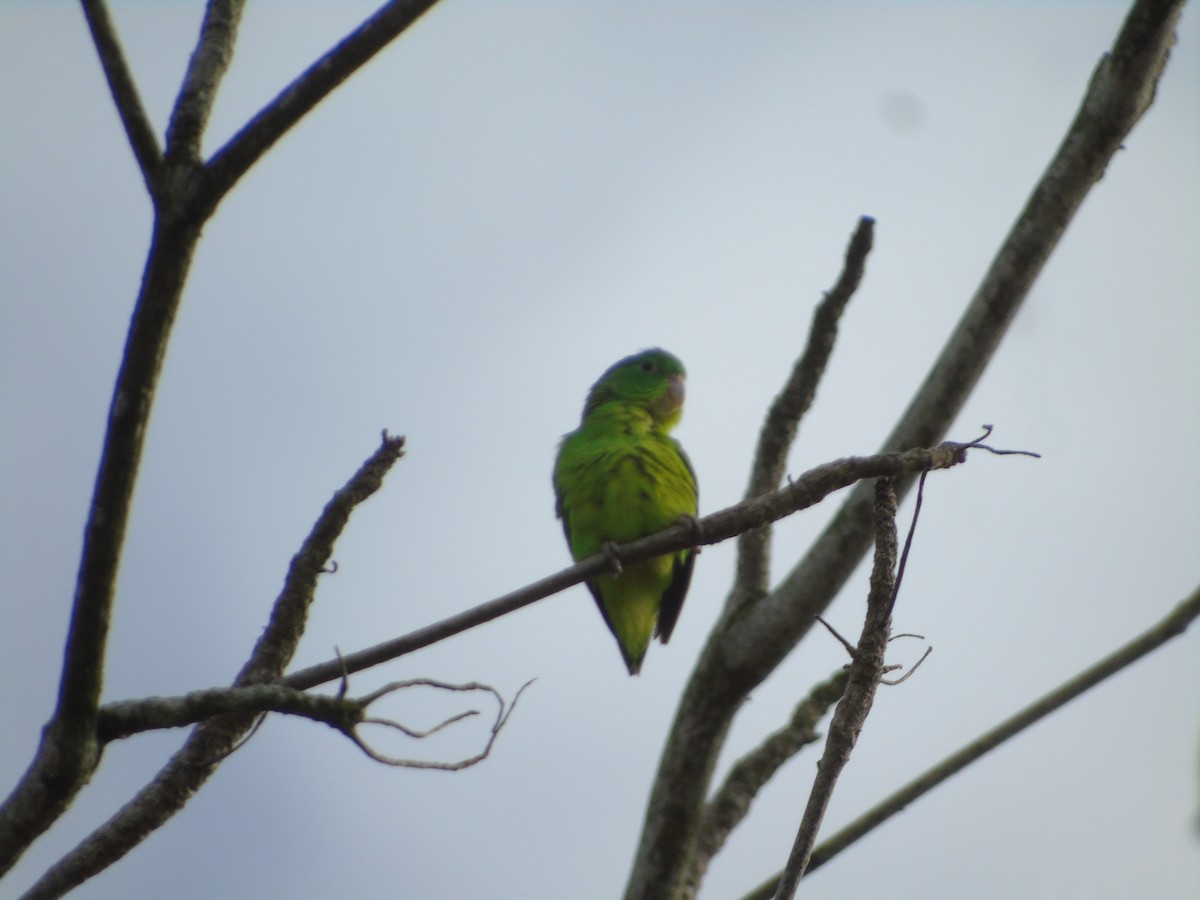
502, 714
892, 682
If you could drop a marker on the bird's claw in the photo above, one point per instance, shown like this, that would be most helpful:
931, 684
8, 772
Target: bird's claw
609, 549
692, 524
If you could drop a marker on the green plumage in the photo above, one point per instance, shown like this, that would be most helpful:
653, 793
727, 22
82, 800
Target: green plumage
621, 476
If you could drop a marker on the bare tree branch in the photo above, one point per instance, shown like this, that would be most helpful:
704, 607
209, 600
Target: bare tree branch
274, 120
750, 641
783, 419
122, 719
206, 68
125, 94
751, 773
212, 741
69, 750
1171, 626
184, 196
866, 670
807, 490
129, 717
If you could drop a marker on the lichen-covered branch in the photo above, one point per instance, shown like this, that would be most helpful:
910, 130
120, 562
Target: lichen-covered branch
126, 718
209, 61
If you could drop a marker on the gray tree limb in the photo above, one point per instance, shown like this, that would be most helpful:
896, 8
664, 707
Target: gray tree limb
749, 641
185, 194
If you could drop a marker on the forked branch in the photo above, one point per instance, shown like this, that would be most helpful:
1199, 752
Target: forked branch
213, 740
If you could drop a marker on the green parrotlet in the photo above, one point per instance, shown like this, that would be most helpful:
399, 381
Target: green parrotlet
620, 476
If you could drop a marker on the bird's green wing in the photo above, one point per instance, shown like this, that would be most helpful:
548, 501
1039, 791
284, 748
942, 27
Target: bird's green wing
681, 576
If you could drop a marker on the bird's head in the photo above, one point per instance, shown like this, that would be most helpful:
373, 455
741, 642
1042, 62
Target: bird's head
652, 380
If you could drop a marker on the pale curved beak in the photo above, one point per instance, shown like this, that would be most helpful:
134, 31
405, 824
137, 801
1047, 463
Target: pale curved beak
675, 394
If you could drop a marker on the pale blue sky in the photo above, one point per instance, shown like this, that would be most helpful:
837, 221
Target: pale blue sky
453, 247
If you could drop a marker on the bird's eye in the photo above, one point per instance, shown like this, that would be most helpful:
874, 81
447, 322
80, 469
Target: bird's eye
647, 365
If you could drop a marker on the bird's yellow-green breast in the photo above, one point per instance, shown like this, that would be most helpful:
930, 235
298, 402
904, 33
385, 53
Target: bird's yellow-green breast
621, 476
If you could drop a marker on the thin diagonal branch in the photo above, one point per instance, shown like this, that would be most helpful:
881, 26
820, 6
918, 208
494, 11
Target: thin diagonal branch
125, 94
807, 490
274, 120
783, 419
122, 718
212, 741
866, 670
1171, 626
207, 66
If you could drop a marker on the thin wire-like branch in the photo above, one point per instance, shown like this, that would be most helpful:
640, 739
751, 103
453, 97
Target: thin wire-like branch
807, 490
908, 541
209, 61
125, 94
866, 670
749, 643
212, 741
750, 774
503, 712
274, 120
783, 419
1171, 626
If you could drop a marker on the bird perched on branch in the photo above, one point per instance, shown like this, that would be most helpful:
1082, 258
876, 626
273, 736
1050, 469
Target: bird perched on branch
620, 476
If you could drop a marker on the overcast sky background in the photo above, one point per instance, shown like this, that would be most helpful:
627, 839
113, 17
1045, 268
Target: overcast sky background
453, 246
